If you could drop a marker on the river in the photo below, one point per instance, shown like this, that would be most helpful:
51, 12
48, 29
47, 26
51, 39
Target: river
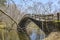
36, 36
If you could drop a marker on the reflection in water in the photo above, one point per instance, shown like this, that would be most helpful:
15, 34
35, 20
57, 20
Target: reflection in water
36, 36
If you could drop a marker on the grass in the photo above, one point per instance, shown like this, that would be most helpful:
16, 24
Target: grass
7, 35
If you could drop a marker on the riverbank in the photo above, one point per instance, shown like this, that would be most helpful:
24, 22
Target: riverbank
53, 36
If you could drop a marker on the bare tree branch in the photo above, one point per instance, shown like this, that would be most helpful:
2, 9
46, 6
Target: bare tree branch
8, 16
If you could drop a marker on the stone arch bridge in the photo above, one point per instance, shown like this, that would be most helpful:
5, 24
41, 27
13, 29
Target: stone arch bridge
37, 19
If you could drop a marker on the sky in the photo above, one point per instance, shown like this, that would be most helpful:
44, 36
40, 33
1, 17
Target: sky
24, 4
20, 2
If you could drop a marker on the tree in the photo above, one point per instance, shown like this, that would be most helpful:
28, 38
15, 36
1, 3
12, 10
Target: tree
2, 2
36, 8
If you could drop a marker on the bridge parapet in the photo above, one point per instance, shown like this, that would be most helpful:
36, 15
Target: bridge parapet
40, 17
